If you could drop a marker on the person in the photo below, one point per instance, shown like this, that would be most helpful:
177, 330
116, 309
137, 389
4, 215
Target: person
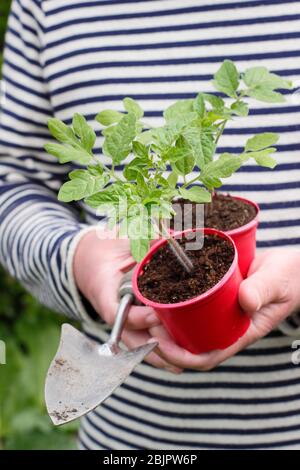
80, 56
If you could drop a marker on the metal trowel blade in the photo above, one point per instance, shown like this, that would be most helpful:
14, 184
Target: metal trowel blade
83, 374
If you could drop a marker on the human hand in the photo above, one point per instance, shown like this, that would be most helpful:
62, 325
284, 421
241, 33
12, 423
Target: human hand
99, 266
269, 294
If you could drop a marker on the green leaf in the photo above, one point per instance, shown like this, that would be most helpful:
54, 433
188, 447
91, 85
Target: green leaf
132, 106
185, 165
137, 165
140, 150
172, 179
196, 194
95, 170
181, 157
215, 101
66, 153
139, 248
201, 141
226, 79
261, 141
261, 77
81, 186
62, 132
85, 132
240, 108
262, 157
111, 195
118, 143
145, 137
199, 105
176, 111
262, 93
108, 117
224, 167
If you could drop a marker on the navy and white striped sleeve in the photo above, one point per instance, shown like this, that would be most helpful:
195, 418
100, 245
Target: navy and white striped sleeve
38, 235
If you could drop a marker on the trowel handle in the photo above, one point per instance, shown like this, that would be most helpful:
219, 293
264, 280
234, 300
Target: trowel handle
121, 317
126, 300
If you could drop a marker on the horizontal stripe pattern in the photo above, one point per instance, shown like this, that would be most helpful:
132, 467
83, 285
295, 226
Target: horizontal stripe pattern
83, 56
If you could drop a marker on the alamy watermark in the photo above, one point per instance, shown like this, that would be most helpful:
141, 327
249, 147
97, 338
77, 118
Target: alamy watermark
2, 353
296, 354
3, 93
138, 222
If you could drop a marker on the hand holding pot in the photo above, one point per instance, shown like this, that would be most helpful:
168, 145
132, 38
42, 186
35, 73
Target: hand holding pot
99, 265
269, 294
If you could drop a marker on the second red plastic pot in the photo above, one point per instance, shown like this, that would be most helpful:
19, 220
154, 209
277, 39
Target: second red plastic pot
213, 320
245, 239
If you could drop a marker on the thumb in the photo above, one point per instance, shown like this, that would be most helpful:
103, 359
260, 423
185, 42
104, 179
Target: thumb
259, 289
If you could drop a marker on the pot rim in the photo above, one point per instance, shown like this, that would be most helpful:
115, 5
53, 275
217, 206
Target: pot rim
249, 225
243, 228
200, 298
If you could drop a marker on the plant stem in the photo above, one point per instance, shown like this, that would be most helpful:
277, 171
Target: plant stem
178, 251
220, 132
186, 184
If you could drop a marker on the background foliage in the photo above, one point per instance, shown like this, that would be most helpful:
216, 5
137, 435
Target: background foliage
31, 334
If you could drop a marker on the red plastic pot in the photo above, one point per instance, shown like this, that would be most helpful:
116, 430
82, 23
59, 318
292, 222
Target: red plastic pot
213, 320
245, 239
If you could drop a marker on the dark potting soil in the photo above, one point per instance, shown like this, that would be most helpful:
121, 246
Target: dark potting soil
165, 281
223, 213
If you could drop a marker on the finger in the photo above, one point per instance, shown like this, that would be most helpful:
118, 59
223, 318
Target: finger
182, 358
134, 339
259, 290
141, 318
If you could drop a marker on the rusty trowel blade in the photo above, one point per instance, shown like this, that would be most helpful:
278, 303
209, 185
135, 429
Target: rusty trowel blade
83, 374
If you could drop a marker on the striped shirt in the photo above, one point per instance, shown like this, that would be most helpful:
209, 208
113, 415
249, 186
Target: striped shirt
83, 56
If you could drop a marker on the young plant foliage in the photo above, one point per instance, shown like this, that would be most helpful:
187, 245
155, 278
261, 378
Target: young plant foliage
185, 146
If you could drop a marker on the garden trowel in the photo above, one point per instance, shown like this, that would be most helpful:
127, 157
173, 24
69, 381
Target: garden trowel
84, 373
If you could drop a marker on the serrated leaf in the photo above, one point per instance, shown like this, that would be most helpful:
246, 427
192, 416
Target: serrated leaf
261, 77
196, 194
266, 161
226, 79
62, 132
261, 141
139, 248
111, 196
224, 167
185, 165
215, 101
176, 111
80, 187
95, 170
131, 106
163, 138
85, 132
140, 150
240, 108
67, 154
201, 141
262, 93
118, 143
77, 174
262, 157
145, 137
172, 179
109, 117
199, 105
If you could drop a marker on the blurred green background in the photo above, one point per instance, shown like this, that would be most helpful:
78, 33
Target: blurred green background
31, 334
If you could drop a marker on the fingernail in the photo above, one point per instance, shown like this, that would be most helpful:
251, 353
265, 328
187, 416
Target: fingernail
152, 319
257, 301
152, 340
